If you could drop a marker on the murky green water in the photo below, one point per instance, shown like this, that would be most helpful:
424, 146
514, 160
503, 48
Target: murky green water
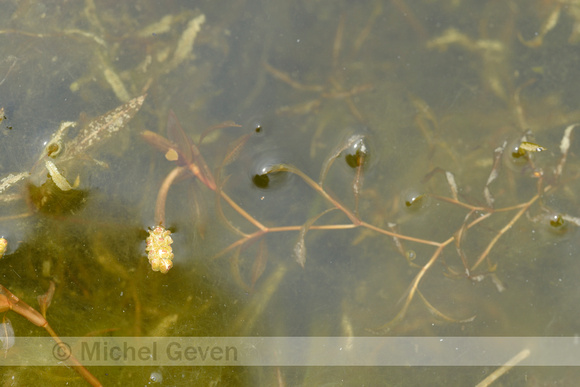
432, 87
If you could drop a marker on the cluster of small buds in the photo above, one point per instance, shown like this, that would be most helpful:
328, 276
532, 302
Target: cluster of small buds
159, 249
3, 246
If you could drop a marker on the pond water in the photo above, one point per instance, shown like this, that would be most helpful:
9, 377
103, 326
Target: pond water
390, 168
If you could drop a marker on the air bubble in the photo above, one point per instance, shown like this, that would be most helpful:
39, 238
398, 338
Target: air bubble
155, 377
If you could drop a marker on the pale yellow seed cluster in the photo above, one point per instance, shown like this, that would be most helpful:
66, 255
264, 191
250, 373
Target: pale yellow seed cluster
159, 249
3, 246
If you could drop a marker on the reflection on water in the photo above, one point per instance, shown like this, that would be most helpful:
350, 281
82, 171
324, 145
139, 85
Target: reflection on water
371, 187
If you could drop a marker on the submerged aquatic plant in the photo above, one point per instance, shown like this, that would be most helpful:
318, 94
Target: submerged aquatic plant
9, 301
62, 151
190, 161
354, 208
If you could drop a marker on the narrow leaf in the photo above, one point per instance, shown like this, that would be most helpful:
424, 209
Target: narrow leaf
189, 154
259, 264
452, 184
235, 269
564, 147
7, 338
177, 135
159, 142
336, 153
222, 125
300, 246
235, 149
103, 127
497, 155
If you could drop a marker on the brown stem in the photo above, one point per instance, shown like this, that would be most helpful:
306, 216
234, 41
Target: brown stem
289, 168
242, 212
9, 301
162, 195
503, 231
74, 362
414, 285
400, 236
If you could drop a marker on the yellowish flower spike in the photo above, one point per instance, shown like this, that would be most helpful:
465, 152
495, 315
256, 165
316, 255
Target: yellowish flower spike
159, 249
3, 246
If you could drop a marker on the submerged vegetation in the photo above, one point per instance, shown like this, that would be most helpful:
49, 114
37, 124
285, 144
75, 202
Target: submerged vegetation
357, 172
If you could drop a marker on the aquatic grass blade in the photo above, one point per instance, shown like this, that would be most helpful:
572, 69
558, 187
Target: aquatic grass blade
102, 128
